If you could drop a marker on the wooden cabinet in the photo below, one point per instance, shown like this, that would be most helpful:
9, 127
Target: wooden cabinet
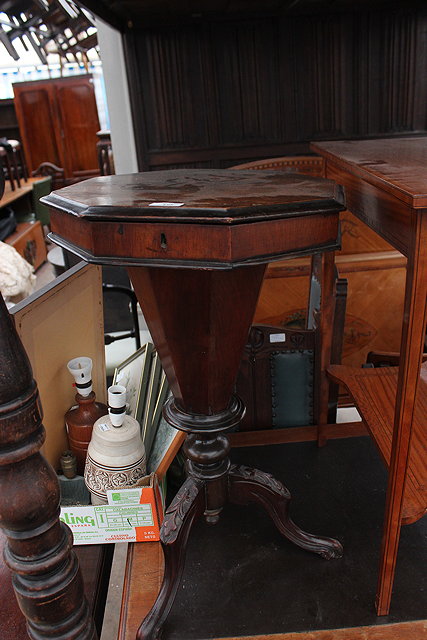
58, 121
28, 240
8, 123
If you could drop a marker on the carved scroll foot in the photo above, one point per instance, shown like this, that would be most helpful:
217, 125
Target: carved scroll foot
251, 485
187, 506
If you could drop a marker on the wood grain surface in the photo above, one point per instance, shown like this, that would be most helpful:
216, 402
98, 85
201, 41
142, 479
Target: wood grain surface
143, 578
223, 218
374, 392
214, 193
91, 559
401, 631
395, 165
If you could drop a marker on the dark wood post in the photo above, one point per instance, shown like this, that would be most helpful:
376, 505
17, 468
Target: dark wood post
46, 574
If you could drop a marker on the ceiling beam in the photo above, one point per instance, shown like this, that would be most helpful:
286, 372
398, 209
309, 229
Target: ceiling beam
102, 11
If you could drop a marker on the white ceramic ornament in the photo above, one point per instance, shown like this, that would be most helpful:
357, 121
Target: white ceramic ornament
116, 453
81, 370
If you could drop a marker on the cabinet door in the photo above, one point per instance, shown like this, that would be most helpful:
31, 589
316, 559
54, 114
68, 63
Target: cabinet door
58, 121
38, 119
79, 124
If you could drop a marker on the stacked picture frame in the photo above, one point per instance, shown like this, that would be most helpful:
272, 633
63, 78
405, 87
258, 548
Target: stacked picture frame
147, 390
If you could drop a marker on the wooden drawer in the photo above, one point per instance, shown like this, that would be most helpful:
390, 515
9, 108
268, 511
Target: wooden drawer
29, 242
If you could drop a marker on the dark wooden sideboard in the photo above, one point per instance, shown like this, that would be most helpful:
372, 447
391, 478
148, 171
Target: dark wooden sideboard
386, 187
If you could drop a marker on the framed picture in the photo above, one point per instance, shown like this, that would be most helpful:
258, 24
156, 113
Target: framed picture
161, 399
134, 374
166, 444
154, 412
147, 391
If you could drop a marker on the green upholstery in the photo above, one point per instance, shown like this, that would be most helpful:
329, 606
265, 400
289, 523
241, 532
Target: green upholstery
292, 379
42, 188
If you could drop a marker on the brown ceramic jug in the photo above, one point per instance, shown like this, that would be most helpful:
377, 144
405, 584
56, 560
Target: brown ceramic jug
79, 420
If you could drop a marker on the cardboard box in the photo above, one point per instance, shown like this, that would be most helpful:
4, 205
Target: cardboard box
131, 515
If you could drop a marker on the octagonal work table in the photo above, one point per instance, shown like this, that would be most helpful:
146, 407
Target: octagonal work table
196, 244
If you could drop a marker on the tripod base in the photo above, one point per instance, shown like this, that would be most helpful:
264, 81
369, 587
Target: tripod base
245, 486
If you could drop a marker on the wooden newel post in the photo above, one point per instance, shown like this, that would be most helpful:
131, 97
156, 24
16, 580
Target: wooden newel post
46, 574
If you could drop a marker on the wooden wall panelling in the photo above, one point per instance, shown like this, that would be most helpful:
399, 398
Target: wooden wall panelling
217, 91
138, 106
62, 321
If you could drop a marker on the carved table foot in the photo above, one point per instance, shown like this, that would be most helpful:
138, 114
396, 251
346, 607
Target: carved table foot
186, 507
248, 485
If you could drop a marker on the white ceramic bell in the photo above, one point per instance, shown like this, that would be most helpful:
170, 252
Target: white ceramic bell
116, 453
81, 370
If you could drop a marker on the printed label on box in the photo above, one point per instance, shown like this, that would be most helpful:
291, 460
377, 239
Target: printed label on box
127, 496
131, 515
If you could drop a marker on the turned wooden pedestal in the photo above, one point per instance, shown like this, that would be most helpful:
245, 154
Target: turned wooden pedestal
45, 572
196, 244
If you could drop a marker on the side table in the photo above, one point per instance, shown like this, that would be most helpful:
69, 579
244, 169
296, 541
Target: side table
386, 187
196, 244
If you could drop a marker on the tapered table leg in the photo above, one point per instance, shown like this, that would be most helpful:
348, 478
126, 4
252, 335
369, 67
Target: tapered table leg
413, 335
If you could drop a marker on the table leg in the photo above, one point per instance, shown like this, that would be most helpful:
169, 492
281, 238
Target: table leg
320, 314
412, 345
184, 510
251, 485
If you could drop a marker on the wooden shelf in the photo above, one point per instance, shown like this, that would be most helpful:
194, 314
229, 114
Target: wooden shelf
10, 196
374, 393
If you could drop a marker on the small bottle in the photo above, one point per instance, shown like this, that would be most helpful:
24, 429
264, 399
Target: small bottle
116, 454
79, 420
